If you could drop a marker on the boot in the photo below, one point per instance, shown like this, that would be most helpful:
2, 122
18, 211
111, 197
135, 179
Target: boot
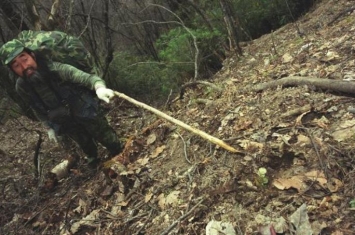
115, 149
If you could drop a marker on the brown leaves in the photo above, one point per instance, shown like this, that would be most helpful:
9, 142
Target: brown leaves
302, 182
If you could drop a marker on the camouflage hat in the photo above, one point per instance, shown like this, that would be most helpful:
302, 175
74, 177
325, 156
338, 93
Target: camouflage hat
10, 50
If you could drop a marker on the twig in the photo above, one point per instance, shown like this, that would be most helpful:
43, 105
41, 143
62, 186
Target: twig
315, 148
88, 21
294, 20
145, 223
185, 151
319, 158
296, 111
67, 211
168, 100
273, 42
35, 215
166, 231
36, 160
136, 217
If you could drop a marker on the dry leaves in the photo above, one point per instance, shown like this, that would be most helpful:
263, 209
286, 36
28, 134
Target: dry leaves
299, 182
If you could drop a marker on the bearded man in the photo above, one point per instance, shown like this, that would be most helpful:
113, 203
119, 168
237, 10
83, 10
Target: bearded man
63, 98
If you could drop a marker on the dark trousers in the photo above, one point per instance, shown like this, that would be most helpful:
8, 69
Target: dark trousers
87, 132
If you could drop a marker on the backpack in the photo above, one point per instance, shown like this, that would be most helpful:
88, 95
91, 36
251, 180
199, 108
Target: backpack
60, 47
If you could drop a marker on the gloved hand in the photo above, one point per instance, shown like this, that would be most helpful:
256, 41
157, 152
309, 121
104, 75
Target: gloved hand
105, 94
52, 136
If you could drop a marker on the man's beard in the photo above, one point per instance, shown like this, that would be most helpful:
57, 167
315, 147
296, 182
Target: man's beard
36, 77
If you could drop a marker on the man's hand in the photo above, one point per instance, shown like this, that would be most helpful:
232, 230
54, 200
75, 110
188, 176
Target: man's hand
52, 136
105, 94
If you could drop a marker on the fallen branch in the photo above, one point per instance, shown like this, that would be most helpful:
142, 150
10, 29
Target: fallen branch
192, 84
204, 135
297, 111
321, 83
341, 14
305, 108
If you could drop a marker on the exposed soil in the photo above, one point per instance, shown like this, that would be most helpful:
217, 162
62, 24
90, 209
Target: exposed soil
170, 181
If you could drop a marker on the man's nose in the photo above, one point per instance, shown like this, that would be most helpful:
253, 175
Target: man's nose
24, 66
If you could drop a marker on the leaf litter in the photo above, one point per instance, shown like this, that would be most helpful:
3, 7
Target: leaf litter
168, 181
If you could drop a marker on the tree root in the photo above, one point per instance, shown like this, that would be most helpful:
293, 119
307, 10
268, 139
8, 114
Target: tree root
341, 14
320, 83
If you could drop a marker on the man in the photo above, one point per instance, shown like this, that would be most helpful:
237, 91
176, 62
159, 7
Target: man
63, 98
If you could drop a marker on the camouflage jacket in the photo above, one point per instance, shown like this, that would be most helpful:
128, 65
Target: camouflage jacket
75, 89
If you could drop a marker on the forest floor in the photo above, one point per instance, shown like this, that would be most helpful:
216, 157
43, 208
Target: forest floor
175, 182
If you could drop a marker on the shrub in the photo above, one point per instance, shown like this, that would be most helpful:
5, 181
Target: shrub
147, 81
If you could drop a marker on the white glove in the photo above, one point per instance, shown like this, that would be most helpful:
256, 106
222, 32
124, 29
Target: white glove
52, 136
105, 94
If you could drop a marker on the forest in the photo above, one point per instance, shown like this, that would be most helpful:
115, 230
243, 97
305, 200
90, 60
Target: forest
150, 47
272, 80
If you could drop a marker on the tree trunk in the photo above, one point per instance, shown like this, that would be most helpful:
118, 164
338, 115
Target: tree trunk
109, 48
13, 20
33, 14
53, 15
231, 27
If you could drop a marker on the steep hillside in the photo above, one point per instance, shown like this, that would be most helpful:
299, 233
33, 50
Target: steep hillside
293, 173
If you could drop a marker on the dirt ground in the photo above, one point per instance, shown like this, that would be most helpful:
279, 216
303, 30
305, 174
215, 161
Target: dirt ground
293, 172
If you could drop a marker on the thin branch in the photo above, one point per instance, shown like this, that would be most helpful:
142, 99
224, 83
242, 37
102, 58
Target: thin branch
33, 14
185, 149
53, 14
166, 231
88, 21
36, 159
68, 23
145, 223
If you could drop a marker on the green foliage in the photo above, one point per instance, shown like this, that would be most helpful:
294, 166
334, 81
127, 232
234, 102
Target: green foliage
148, 80
143, 78
153, 80
352, 203
176, 48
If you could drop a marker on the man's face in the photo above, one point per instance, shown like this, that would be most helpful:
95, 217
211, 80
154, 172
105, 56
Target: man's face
24, 65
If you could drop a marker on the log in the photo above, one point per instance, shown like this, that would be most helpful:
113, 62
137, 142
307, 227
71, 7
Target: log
341, 86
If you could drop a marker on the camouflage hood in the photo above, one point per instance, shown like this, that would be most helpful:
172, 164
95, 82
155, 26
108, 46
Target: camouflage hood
10, 50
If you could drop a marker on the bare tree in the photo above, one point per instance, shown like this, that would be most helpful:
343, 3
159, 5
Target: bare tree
231, 26
108, 37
